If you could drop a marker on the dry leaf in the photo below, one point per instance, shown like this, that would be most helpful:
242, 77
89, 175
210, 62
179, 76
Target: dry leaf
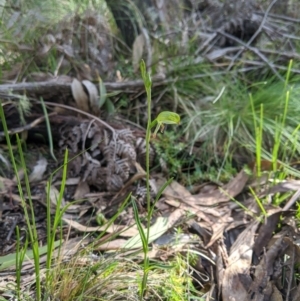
82, 189
239, 262
69, 181
112, 245
137, 51
223, 194
81, 98
218, 225
155, 231
54, 195
93, 96
38, 170
261, 287
47, 42
126, 231
265, 232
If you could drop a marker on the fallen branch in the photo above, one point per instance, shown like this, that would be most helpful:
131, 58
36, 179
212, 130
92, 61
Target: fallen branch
55, 87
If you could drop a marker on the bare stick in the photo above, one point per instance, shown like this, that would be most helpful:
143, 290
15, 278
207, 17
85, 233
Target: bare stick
27, 127
258, 31
254, 50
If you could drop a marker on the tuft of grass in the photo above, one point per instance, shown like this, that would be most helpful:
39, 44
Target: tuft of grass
116, 277
32, 241
229, 125
28, 212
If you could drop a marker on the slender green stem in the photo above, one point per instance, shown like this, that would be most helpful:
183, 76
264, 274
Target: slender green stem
29, 221
47, 121
147, 82
165, 117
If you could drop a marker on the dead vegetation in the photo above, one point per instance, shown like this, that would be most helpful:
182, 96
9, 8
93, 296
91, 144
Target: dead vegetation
62, 91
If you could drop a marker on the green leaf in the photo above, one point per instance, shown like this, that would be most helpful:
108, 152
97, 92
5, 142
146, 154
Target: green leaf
10, 259
167, 117
142, 236
110, 108
103, 94
157, 265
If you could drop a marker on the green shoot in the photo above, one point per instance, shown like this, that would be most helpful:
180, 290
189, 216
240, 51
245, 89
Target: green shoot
163, 118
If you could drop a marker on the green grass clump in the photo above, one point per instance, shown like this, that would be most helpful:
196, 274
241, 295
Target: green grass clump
228, 126
85, 277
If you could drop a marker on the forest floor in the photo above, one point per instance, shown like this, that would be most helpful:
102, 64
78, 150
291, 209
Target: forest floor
208, 209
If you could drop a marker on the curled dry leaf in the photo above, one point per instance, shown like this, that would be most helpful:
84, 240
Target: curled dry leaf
81, 98
223, 194
239, 262
4, 160
38, 170
93, 96
68, 50
48, 41
54, 196
82, 189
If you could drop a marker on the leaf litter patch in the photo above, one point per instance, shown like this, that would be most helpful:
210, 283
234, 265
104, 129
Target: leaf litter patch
239, 252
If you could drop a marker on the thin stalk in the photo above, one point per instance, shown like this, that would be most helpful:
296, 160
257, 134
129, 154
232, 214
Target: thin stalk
49, 132
148, 83
51, 230
31, 227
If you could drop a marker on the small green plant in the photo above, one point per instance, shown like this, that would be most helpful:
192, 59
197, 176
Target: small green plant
282, 148
163, 118
171, 152
172, 156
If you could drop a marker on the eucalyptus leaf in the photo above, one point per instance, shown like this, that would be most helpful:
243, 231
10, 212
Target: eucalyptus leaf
158, 229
